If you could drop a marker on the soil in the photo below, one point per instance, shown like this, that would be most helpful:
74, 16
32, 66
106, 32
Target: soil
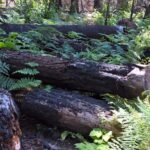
36, 136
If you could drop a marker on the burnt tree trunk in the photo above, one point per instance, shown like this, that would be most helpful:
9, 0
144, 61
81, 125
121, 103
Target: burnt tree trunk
9, 125
91, 31
126, 81
69, 110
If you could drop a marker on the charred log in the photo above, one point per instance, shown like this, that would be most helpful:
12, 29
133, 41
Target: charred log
127, 81
91, 31
69, 110
9, 125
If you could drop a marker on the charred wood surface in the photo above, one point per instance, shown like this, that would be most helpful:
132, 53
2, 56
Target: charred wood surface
91, 31
126, 81
65, 109
9, 125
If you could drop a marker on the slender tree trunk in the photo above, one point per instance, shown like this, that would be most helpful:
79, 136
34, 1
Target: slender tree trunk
74, 6
132, 10
107, 12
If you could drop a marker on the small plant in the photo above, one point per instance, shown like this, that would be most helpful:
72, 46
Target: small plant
8, 83
74, 35
27, 82
100, 139
65, 134
134, 120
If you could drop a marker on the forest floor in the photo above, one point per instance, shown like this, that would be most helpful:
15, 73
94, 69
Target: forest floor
36, 136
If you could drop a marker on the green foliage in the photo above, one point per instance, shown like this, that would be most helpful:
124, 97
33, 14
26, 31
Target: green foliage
100, 140
34, 11
8, 83
4, 68
16, 41
27, 71
74, 35
32, 64
134, 119
25, 83
5, 81
65, 134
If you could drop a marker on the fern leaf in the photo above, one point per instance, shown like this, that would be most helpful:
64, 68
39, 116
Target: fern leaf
27, 71
6, 82
32, 64
26, 83
4, 68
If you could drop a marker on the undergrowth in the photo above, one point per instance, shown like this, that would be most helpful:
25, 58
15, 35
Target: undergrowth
122, 48
9, 83
134, 119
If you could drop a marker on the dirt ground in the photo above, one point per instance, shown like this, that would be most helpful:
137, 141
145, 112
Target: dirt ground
36, 136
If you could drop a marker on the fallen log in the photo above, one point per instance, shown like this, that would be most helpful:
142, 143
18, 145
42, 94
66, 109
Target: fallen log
9, 125
126, 81
69, 110
91, 31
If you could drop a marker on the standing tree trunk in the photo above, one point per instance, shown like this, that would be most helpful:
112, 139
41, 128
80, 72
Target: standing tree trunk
7, 3
107, 12
147, 12
74, 6
132, 10
9, 125
98, 4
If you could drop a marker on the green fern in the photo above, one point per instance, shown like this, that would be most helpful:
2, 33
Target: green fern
135, 122
26, 83
27, 71
6, 82
4, 68
128, 139
32, 64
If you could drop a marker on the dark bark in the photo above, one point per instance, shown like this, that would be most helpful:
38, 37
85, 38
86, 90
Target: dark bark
98, 4
9, 125
147, 12
69, 110
74, 6
91, 31
126, 81
107, 12
132, 10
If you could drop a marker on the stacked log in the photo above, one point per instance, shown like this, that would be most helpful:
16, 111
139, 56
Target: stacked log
68, 110
126, 81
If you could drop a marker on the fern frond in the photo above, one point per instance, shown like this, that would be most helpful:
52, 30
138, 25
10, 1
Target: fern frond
27, 71
32, 64
6, 82
26, 83
4, 68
